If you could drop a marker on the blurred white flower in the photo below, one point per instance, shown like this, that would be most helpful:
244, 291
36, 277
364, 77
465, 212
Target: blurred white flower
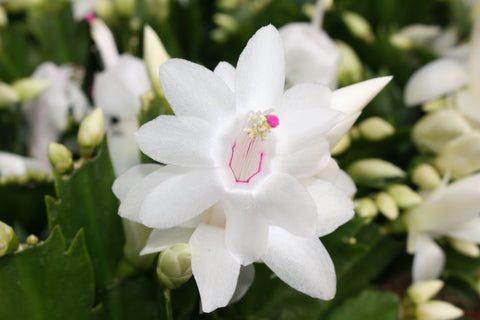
451, 211
13, 164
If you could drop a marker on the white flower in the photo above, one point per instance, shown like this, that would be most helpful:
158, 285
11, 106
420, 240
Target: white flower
48, 113
117, 92
452, 211
13, 164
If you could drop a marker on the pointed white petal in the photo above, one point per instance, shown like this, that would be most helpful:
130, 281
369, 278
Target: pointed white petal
181, 198
161, 239
245, 280
122, 185
227, 73
340, 179
428, 260
260, 72
434, 80
122, 145
335, 134
303, 263
195, 91
105, 42
468, 231
306, 95
215, 270
182, 141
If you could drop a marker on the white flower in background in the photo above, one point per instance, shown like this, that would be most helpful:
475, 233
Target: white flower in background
452, 211
48, 114
240, 143
310, 54
434, 37
117, 91
13, 164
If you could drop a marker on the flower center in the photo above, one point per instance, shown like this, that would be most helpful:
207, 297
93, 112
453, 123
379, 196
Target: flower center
248, 149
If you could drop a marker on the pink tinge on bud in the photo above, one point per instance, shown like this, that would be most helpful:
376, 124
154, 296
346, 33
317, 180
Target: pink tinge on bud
90, 17
272, 120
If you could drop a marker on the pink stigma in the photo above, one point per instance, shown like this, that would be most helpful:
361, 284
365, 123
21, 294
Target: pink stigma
90, 17
272, 120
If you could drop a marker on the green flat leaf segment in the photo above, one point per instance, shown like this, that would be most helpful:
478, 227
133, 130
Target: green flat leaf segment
46, 282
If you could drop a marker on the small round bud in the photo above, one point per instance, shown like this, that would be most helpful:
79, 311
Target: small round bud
29, 88
8, 239
90, 133
387, 205
404, 196
366, 208
375, 128
423, 291
358, 26
371, 170
174, 265
60, 157
426, 177
32, 240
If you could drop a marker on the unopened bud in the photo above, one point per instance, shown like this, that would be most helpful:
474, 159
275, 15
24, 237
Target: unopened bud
422, 291
366, 208
125, 8
136, 235
3, 17
350, 67
373, 170
401, 41
460, 156
30, 88
426, 177
8, 95
375, 128
354, 133
174, 266
154, 54
466, 247
358, 26
404, 196
90, 133
387, 205
60, 157
32, 240
226, 22
8, 239
434, 105
342, 145
438, 310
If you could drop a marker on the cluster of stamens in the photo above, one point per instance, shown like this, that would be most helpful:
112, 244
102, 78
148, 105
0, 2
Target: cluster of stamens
259, 123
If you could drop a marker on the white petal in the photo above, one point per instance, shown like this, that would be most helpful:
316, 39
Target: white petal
468, 231
11, 163
428, 261
434, 80
338, 177
195, 91
474, 60
161, 239
306, 95
335, 134
303, 263
333, 205
227, 73
181, 198
105, 42
215, 270
469, 104
182, 141
122, 145
122, 185
260, 72
286, 203
354, 98
245, 280
246, 228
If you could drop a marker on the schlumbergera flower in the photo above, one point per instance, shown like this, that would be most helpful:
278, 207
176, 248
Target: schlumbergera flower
248, 175
452, 211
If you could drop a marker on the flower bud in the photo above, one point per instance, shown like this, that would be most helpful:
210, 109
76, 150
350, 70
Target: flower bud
90, 133
29, 88
174, 265
387, 205
8, 95
154, 54
358, 26
366, 208
60, 157
438, 310
373, 170
125, 8
436, 129
422, 291
226, 22
426, 177
466, 247
460, 156
342, 145
375, 128
434, 105
401, 41
32, 240
8, 239
350, 66
404, 196
3, 17
136, 235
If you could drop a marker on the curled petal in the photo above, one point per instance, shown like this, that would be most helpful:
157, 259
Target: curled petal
428, 260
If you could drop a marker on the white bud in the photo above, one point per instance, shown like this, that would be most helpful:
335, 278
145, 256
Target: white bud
426, 177
342, 145
3, 17
401, 41
422, 291
365, 208
29, 88
368, 170
90, 133
404, 196
350, 66
375, 128
434, 105
8, 239
438, 310
60, 157
460, 156
358, 26
466, 247
154, 54
387, 205
174, 265
8, 95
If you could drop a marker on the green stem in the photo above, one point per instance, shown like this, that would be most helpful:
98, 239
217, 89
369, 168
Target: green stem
168, 304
